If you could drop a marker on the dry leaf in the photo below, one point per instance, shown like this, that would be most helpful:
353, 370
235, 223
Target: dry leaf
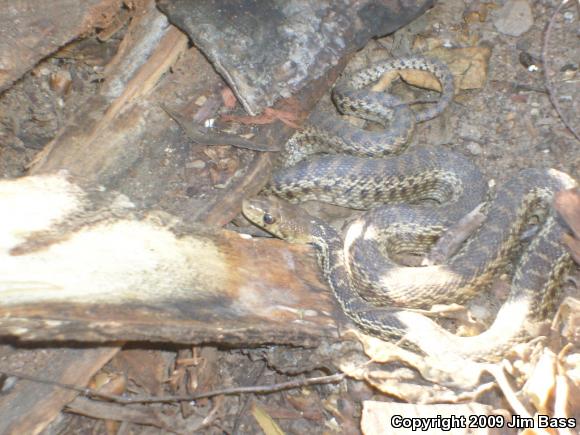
569, 316
268, 425
540, 386
423, 43
288, 113
477, 11
385, 81
468, 65
456, 373
568, 384
421, 79
568, 205
229, 98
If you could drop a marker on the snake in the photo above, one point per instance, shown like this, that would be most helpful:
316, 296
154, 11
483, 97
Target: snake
330, 133
374, 291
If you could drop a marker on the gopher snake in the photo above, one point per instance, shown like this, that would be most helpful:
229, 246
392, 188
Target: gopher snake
426, 173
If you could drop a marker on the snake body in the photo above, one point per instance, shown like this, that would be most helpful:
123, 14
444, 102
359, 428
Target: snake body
533, 292
361, 276
330, 133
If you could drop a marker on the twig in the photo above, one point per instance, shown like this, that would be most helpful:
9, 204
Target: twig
257, 389
549, 87
214, 137
246, 401
450, 242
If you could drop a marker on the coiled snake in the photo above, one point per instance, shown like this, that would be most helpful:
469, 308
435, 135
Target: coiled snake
360, 272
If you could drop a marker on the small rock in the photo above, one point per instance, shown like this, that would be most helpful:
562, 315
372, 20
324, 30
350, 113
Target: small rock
196, 164
528, 61
569, 75
514, 18
474, 148
200, 101
519, 98
569, 67
60, 81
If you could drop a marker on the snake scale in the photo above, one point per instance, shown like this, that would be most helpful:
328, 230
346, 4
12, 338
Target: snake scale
359, 270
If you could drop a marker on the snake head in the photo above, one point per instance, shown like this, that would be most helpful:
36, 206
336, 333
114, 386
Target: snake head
283, 220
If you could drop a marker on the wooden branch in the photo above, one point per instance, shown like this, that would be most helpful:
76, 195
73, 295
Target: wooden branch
100, 274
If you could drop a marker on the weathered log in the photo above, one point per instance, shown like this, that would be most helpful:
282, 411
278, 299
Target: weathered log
84, 266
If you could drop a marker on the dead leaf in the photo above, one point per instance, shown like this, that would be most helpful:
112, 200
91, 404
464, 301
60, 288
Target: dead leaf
468, 65
146, 368
573, 245
309, 406
288, 112
451, 240
423, 43
477, 11
229, 98
568, 205
540, 386
568, 316
456, 373
421, 79
567, 401
385, 81
268, 425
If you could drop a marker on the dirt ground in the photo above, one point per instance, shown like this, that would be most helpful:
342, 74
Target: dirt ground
506, 125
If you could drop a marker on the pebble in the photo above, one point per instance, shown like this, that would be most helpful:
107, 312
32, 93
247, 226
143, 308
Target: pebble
514, 18
196, 164
474, 148
60, 81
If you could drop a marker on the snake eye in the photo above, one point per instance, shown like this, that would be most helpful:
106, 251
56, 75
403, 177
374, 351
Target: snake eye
269, 219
